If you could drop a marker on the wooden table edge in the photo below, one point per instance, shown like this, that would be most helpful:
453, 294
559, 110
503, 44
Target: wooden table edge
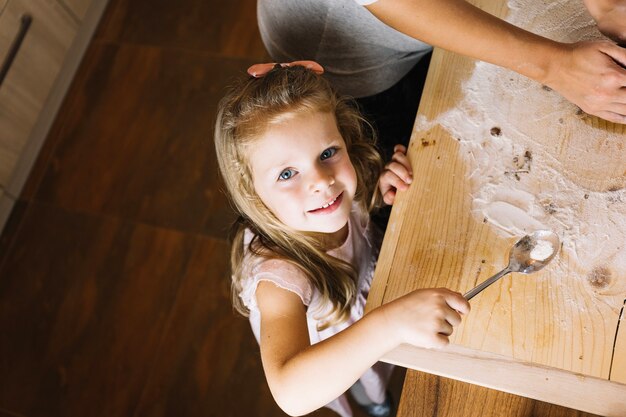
527, 379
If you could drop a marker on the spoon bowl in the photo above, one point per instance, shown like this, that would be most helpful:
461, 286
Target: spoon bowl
529, 254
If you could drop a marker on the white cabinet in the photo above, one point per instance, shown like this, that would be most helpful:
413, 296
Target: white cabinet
78, 7
32, 72
54, 35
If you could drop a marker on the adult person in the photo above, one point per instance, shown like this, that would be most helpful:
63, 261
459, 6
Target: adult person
371, 49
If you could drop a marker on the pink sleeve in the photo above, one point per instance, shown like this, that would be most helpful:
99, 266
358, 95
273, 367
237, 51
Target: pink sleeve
280, 272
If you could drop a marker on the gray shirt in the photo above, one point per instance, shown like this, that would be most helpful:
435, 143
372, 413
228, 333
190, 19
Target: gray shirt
361, 55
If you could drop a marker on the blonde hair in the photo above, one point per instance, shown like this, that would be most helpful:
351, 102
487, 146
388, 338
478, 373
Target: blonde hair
248, 109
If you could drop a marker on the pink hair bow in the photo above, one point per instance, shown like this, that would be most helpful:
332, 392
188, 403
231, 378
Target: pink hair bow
259, 70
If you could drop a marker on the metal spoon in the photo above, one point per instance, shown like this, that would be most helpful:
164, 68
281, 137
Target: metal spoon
521, 257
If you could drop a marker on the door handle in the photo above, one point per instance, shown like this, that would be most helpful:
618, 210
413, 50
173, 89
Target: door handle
25, 22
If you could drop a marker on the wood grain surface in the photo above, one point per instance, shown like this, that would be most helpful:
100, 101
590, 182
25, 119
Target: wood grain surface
523, 329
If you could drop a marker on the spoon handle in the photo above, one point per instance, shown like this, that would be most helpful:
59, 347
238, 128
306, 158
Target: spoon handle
471, 293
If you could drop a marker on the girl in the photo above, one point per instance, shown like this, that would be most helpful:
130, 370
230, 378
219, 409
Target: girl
302, 173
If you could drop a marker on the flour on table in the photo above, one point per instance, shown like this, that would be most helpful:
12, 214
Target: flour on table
523, 176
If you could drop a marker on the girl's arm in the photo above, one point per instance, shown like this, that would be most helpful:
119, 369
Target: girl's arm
586, 73
305, 377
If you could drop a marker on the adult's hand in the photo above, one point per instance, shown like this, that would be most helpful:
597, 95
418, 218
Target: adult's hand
593, 76
587, 74
610, 15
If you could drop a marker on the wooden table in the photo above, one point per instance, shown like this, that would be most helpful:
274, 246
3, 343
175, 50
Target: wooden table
433, 240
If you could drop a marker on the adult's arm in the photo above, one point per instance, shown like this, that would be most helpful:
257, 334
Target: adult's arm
586, 73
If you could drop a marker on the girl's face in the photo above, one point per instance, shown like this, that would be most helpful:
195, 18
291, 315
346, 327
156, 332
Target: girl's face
303, 174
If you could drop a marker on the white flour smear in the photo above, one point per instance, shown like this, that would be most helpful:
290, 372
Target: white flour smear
523, 176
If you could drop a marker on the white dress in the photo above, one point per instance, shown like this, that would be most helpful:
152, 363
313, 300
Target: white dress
360, 249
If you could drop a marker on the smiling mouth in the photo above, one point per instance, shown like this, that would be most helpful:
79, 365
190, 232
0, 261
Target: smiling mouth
330, 206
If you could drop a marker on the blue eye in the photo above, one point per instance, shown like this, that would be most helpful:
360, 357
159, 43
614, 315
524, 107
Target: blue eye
328, 153
286, 174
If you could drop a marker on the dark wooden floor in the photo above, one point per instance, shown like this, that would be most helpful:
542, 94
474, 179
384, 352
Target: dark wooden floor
114, 292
